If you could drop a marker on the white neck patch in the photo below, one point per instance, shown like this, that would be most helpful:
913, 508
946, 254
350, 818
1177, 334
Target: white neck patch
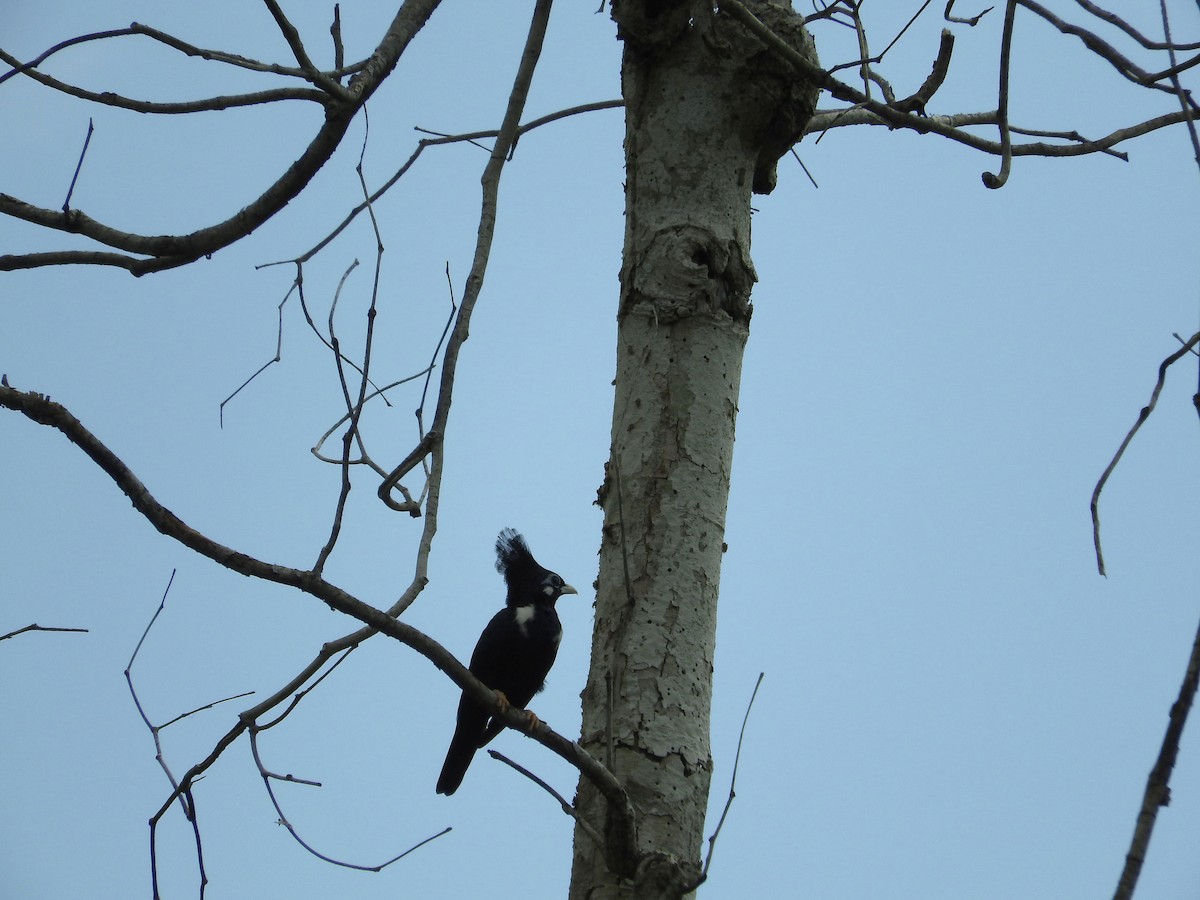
524, 615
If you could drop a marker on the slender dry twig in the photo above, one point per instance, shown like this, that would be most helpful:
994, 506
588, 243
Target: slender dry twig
391, 480
737, 757
44, 411
183, 793
36, 627
366, 459
79, 165
40, 409
354, 408
1158, 784
506, 139
971, 20
311, 72
168, 108
917, 101
152, 253
990, 180
137, 28
335, 32
1141, 419
269, 776
867, 111
278, 349
422, 145
1113, 19
1177, 85
570, 810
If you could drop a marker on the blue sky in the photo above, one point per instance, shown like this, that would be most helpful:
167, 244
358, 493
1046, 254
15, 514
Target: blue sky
956, 704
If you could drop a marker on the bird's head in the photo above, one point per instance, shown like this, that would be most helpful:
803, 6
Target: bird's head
528, 582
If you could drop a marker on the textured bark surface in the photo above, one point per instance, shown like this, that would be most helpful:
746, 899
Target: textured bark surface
709, 111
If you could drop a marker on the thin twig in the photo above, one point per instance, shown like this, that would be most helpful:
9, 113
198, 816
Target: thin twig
1178, 85
354, 411
268, 777
571, 811
79, 165
712, 841
37, 408
278, 347
958, 20
378, 392
36, 627
311, 72
137, 28
437, 141
335, 31
1117, 21
182, 792
990, 180
152, 253
1158, 784
1141, 419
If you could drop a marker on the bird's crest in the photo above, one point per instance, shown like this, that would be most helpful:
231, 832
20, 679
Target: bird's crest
528, 582
513, 559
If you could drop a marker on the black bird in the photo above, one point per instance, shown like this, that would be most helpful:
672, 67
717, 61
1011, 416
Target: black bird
514, 653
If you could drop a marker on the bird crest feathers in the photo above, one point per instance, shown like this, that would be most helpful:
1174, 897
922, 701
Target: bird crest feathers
513, 559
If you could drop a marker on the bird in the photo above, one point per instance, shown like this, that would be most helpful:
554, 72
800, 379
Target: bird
514, 654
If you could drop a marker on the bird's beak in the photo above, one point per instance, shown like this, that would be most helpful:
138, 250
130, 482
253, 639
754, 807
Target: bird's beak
567, 589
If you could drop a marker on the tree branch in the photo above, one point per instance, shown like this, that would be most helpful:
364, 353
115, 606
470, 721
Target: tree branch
44, 411
1141, 419
868, 111
990, 180
168, 251
1158, 784
209, 104
37, 627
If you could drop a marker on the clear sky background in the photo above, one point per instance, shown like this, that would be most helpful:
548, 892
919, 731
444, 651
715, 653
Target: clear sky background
955, 704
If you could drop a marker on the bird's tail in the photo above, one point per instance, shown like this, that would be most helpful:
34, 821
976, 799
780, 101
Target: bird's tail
462, 750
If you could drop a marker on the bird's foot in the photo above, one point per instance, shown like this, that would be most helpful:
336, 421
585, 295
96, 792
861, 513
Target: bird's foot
505, 705
533, 721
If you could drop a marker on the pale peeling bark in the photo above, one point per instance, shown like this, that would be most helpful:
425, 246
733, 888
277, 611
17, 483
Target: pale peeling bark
709, 111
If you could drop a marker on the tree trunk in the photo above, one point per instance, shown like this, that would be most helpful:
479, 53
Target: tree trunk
708, 112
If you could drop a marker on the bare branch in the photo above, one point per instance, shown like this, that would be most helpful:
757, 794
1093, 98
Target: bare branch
39, 409
270, 362
136, 28
335, 32
972, 20
79, 165
737, 757
268, 777
36, 627
1114, 19
587, 827
951, 127
1158, 784
178, 107
991, 181
873, 112
1141, 419
342, 104
917, 101
186, 802
1125, 66
311, 72
431, 142
1183, 95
